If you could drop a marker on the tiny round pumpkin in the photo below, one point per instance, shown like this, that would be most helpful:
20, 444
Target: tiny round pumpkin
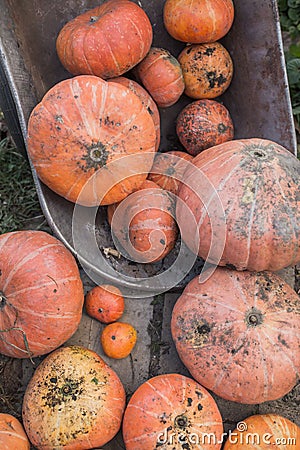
85, 124
198, 22
264, 431
105, 303
106, 41
238, 334
144, 224
168, 169
41, 294
203, 124
118, 339
246, 193
75, 388
146, 100
161, 74
12, 434
171, 411
207, 70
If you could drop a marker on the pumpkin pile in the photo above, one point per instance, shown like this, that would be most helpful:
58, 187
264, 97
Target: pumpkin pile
94, 139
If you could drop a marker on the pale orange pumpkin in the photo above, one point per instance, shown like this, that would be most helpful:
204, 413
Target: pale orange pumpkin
74, 401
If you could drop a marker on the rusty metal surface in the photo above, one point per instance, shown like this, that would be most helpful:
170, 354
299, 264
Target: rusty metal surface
257, 99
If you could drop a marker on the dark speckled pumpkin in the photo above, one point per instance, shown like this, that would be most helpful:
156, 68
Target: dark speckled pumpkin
245, 192
207, 70
203, 124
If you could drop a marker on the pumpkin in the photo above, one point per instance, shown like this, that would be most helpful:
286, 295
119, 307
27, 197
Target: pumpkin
198, 22
41, 294
203, 124
237, 334
118, 339
161, 75
106, 41
207, 70
85, 124
105, 303
168, 169
172, 411
147, 101
264, 431
12, 434
144, 224
246, 194
74, 400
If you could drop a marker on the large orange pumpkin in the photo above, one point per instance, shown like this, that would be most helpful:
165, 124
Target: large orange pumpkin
145, 225
12, 434
198, 21
247, 192
105, 41
203, 124
161, 74
81, 125
264, 431
238, 334
172, 411
168, 169
41, 294
146, 99
207, 70
73, 401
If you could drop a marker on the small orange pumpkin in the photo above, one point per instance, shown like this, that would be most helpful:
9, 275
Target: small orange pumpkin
12, 434
171, 411
198, 22
105, 303
118, 339
168, 169
145, 226
207, 70
75, 388
106, 41
264, 431
147, 101
203, 124
161, 74
81, 126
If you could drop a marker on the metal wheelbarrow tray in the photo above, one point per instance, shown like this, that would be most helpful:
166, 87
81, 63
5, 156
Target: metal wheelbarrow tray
258, 99
259, 103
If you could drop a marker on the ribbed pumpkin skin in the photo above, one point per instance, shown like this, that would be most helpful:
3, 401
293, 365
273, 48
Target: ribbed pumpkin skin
147, 101
73, 401
257, 183
106, 41
207, 70
42, 294
168, 169
203, 124
199, 21
174, 403
266, 430
161, 74
147, 222
12, 434
81, 125
237, 334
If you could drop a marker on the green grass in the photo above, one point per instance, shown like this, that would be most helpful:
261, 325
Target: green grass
19, 205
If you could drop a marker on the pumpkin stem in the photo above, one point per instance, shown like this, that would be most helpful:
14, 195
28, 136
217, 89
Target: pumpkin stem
3, 300
181, 421
254, 317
